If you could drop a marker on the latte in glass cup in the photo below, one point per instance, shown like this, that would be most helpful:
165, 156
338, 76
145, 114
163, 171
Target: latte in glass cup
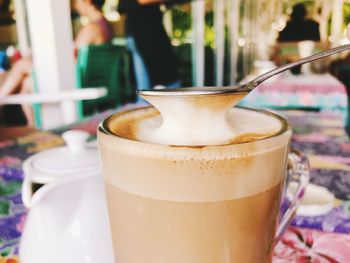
211, 199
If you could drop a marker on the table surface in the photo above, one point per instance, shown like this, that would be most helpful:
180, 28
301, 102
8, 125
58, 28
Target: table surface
309, 239
8, 133
315, 91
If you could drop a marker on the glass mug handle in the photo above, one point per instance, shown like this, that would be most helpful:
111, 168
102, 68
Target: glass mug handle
298, 172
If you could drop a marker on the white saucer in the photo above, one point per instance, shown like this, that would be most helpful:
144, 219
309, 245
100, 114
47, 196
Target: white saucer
317, 200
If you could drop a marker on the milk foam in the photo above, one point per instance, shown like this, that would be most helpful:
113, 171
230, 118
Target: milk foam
207, 128
189, 174
202, 120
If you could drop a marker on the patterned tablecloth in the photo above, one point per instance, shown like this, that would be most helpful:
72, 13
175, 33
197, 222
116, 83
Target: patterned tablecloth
317, 91
309, 239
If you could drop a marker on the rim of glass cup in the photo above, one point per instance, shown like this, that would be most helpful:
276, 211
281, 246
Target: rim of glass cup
104, 127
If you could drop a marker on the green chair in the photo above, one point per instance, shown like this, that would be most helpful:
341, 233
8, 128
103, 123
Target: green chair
104, 66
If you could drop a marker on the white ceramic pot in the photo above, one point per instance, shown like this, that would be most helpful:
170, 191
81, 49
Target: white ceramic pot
67, 219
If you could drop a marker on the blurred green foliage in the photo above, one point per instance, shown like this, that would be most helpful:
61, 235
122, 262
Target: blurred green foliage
182, 25
346, 12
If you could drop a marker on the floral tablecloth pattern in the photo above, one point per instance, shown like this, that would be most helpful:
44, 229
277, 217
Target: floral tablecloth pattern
309, 91
309, 239
321, 238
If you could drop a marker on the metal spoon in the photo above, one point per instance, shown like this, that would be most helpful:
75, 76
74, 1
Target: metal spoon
246, 87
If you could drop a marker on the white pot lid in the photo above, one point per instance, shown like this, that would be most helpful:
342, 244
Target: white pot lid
76, 158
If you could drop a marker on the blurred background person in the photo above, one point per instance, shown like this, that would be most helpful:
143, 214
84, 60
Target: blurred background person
153, 56
5, 13
299, 27
97, 31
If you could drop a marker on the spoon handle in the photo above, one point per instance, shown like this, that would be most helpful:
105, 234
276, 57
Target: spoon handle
311, 58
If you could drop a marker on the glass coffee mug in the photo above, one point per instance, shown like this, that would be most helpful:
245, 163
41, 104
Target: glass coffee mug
199, 183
